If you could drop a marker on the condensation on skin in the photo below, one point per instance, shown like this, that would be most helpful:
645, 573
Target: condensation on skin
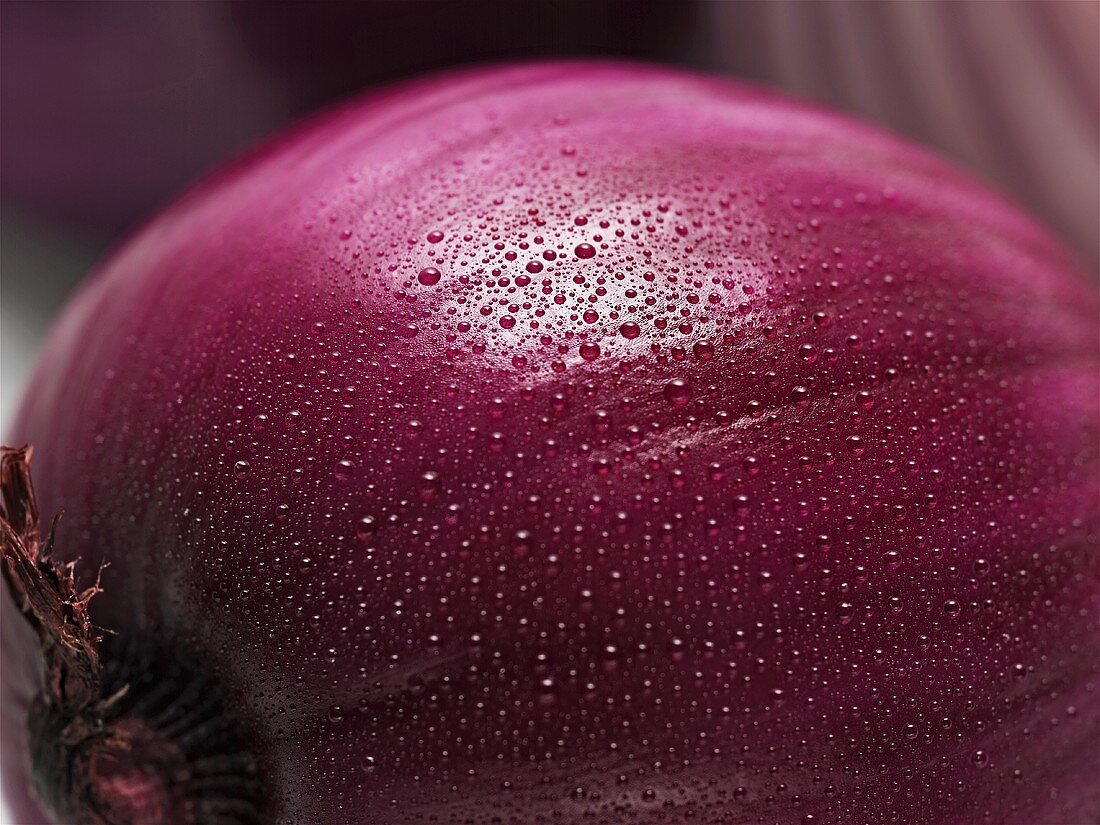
600, 444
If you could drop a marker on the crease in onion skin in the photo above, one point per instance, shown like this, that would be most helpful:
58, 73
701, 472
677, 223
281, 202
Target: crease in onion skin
814, 540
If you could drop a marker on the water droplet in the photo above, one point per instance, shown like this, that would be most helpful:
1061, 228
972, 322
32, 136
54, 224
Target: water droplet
429, 484
589, 351
703, 350
521, 543
677, 392
367, 527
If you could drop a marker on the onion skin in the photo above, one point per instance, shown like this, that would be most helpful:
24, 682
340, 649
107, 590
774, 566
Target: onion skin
816, 540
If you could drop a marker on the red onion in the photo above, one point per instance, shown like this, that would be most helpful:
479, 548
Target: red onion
564, 443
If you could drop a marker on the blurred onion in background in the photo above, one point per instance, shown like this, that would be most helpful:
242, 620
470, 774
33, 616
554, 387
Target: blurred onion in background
1009, 90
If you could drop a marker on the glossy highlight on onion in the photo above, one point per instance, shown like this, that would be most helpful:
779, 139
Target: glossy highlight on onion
554, 444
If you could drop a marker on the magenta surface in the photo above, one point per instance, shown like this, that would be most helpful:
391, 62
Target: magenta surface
597, 443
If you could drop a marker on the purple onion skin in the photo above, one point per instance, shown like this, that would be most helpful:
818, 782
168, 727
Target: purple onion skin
775, 503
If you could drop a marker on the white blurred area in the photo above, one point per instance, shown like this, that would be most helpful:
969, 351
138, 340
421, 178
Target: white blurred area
38, 270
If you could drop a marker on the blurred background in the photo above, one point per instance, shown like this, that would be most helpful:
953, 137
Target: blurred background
108, 109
